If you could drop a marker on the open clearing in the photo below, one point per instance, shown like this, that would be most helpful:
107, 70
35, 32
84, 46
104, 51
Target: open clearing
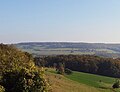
80, 82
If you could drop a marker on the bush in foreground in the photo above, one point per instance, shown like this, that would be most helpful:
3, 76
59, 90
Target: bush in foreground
2, 89
18, 72
24, 81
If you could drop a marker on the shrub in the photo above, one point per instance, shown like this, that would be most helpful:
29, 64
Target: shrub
12, 58
60, 69
24, 81
18, 72
2, 89
68, 71
116, 84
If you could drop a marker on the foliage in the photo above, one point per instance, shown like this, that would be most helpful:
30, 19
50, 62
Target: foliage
85, 63
60, 68
2, 89
68, 71
23, 81
41, 63
18, 71
116, 84
11, 59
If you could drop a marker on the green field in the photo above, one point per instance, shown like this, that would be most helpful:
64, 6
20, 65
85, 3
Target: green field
96, 82
90, 79
59, 83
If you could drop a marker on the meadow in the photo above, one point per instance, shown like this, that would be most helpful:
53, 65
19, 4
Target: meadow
80, 82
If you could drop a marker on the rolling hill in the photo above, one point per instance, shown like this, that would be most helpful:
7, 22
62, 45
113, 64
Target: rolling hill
58, 48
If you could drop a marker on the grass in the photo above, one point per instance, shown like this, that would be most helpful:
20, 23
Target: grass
97, 83
94, 81
60, 83
90, 79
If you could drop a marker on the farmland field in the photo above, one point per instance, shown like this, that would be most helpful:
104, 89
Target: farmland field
47, 48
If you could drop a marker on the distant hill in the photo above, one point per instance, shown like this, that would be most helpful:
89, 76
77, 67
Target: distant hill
58, 48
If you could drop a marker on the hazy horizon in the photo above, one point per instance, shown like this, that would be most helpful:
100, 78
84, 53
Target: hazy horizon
89, 21
60, 42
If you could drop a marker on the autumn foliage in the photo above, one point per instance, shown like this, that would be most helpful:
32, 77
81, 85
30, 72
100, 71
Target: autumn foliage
18, 72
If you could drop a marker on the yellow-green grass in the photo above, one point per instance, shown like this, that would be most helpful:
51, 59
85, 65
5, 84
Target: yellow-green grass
60, 83
99, 83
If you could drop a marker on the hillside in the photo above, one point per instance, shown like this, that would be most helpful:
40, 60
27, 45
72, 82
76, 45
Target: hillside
80, 82
60, 83
58, 48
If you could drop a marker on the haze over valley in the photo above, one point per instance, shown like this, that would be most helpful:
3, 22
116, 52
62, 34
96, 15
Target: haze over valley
66, 48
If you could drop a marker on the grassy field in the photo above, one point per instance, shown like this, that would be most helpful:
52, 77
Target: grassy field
104, 84
90, 79
80, 82
60, 83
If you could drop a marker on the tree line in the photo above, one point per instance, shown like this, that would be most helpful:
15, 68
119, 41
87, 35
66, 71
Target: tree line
83, 63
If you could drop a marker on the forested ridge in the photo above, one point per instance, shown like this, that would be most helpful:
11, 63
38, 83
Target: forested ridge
83, 63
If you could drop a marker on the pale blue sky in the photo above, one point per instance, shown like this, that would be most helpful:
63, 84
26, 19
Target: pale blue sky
60, 20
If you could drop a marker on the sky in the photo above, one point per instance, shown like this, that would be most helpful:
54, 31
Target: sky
96, 21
